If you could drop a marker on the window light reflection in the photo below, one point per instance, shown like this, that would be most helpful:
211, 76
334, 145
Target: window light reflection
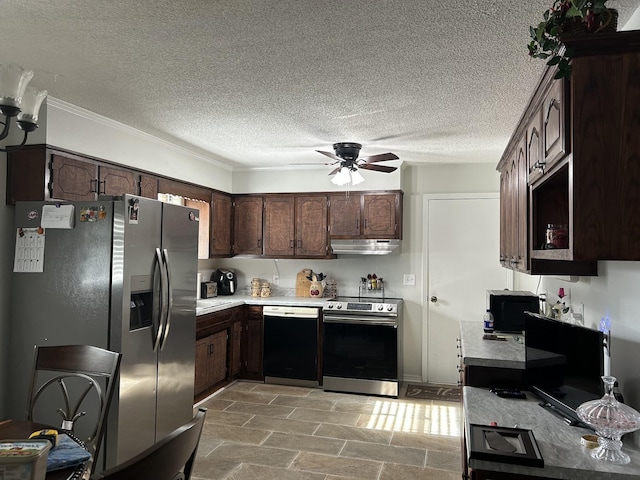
415, 418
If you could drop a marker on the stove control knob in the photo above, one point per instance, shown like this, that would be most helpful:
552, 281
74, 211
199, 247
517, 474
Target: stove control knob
339, 306
380, 308
330, 306
389, 308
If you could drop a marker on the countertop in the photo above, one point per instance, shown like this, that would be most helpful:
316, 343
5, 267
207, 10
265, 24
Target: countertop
211, 305
564, 456
507, 353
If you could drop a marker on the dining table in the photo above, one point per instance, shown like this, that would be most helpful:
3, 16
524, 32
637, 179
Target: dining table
21, 429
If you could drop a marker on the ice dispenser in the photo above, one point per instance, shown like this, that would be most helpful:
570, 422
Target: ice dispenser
140, 315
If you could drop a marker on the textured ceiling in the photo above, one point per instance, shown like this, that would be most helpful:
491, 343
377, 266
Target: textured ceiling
261, 83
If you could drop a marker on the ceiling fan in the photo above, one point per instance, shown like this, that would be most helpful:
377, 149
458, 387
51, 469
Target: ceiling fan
347, 161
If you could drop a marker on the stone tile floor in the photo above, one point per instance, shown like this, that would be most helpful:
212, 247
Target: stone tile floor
258, 431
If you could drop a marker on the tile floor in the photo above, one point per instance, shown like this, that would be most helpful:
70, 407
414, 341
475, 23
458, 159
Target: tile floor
258, 431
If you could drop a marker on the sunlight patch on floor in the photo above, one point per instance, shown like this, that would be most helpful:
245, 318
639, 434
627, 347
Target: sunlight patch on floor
415, 418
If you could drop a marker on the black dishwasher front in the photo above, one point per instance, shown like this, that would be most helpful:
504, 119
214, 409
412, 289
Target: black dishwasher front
290, 345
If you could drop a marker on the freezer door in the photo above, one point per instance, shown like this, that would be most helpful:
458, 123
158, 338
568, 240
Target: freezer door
176, 356
136, 300
67, 303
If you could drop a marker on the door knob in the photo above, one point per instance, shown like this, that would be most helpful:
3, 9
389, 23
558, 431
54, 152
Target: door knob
433, 299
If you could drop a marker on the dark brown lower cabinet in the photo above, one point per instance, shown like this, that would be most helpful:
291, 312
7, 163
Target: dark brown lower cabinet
252, 343
211, 361
217, 360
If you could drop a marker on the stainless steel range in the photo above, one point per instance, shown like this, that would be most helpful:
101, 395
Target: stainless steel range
360, 345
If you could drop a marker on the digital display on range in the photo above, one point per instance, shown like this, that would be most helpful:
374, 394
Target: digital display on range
359, 306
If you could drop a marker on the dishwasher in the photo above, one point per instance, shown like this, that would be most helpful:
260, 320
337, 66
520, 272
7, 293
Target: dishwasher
290, 349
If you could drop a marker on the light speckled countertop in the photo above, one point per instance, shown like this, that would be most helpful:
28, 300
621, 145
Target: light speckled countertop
508, 353
564, 456
211, 305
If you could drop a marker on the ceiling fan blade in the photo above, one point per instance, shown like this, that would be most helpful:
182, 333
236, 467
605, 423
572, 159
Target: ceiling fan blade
330, 155
381, 157
333, 172
378, 168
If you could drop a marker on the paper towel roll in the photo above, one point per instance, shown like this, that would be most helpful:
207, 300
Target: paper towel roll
198, 291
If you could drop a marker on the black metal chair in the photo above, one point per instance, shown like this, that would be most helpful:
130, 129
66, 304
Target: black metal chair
172, 458
74, 382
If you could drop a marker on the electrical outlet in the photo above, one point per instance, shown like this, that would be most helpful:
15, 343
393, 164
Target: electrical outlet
409, 279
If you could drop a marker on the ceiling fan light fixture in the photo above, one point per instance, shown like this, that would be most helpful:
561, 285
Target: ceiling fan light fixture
356, 177
342, 177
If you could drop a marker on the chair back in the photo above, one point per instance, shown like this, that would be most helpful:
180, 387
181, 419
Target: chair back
75, 382
172, 458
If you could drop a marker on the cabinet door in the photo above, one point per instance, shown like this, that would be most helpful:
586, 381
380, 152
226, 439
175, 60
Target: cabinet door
311, 226
505, 203
113, 181
279, 226
236, 342
247, 231
252, 344
380, 216
513, 211
72, 179
148, 186
344, 215
523, 209
220, 225
556, 139
218, 357
201, 365
210, 361
535, 154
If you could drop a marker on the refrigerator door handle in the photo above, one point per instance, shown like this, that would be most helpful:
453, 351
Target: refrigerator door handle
158, 323
167, 322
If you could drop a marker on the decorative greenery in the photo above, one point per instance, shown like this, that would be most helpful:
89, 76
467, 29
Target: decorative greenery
545, 38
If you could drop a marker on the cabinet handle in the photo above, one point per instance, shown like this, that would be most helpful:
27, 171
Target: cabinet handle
540, 166
290, 243
104, 187
260, 243
94, 186
299, 243
357, 224
210, 352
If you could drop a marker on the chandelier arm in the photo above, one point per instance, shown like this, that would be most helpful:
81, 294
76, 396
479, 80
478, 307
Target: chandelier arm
14, 148
5, 130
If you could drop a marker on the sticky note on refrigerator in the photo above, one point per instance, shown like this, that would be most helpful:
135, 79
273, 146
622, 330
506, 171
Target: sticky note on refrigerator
57, 216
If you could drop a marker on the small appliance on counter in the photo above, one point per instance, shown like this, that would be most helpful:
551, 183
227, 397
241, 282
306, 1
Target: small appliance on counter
508, 307
226, 280
208, 290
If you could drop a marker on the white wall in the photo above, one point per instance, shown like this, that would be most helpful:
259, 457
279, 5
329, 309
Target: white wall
305, 179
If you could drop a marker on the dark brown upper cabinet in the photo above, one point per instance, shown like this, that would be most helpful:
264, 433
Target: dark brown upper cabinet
588, 176
247, 225
43, 173
365, 215
296, 226
221, 217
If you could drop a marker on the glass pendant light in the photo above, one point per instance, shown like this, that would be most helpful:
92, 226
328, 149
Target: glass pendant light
342, 177
356, 177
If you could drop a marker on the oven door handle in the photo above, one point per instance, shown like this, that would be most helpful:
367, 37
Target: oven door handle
358, 320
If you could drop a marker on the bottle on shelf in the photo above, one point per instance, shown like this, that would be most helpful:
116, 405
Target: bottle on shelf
488, 321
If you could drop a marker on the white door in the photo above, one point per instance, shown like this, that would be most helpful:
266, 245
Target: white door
462, 263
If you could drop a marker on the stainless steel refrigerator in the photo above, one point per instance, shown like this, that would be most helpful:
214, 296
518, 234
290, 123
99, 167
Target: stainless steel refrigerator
123, 278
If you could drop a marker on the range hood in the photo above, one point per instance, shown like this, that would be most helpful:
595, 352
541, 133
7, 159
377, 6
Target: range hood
365, 247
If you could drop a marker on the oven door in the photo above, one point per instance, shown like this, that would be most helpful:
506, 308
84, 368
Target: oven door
360, 347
